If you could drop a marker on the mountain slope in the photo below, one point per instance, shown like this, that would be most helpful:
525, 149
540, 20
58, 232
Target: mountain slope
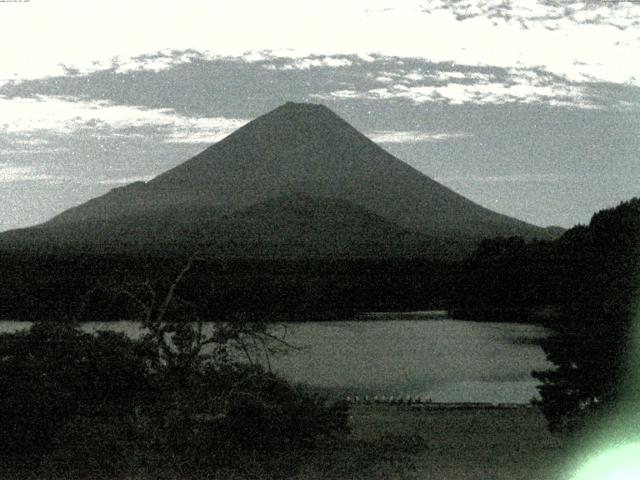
303, 226
289, 226
304, 148
298, 151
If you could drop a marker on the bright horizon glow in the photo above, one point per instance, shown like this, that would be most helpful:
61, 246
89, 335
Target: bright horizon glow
621, 463
573, 40
615, 446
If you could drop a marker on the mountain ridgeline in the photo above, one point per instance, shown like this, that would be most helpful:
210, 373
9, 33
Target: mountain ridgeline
296, 182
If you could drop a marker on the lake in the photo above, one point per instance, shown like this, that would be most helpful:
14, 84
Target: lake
404, 354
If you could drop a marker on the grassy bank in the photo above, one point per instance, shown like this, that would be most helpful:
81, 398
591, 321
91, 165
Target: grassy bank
398, 442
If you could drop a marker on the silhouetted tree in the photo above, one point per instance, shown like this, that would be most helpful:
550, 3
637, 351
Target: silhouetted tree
505, 279
592, 339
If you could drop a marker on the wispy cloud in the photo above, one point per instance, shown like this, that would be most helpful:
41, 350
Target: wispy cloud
24, 143
11, 173
414, 136
419, 76
125, 180
53, 115
310, 62
31, 142
156, 62
465, 87
549, 13
28, 151
14, 173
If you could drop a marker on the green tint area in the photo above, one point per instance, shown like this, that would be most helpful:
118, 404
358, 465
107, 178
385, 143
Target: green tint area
622, 463
613, 451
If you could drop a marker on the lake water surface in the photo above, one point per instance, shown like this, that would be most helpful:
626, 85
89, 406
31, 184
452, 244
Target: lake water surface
447, 360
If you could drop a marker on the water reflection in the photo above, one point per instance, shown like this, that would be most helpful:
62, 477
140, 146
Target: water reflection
447, 360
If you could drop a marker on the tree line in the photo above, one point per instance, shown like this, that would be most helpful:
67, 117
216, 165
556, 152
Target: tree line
584, 287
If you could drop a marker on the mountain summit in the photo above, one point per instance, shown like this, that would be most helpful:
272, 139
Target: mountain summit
296, 152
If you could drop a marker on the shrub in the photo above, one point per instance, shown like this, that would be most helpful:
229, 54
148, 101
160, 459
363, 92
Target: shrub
103, 405
53, 373
85, 404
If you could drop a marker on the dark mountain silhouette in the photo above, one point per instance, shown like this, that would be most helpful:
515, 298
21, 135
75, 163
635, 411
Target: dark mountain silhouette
299, 225
289, 226
296, 180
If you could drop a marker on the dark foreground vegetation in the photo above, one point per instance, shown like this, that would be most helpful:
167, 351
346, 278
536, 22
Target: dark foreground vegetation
384, 442
584, 287
174, 404
594, 344
177, 403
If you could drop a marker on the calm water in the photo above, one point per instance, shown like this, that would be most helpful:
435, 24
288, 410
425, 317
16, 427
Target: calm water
445, 359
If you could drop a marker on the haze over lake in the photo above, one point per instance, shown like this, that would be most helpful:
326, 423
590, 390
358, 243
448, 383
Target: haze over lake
447, 360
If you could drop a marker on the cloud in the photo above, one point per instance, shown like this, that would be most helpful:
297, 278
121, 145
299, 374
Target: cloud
576, 40
54, 115
11, 173
550, 13
230, 87
31, 141
431, 76
471, 87
200, 130
125, 180
413, 136
154, 62
310, 62
384, 79
342, 94
28, 151
25, 144
459, 94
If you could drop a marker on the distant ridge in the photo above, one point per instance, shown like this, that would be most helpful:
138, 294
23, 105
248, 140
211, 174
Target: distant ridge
299, 177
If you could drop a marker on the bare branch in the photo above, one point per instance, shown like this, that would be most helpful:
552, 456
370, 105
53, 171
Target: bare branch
145, 307
167, 301
152, 305
245, 350
279, 340
83, 301
266, 353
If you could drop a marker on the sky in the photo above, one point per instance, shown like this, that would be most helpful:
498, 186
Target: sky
530, 108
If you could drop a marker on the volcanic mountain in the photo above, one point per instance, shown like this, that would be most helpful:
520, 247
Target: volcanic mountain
298, 179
